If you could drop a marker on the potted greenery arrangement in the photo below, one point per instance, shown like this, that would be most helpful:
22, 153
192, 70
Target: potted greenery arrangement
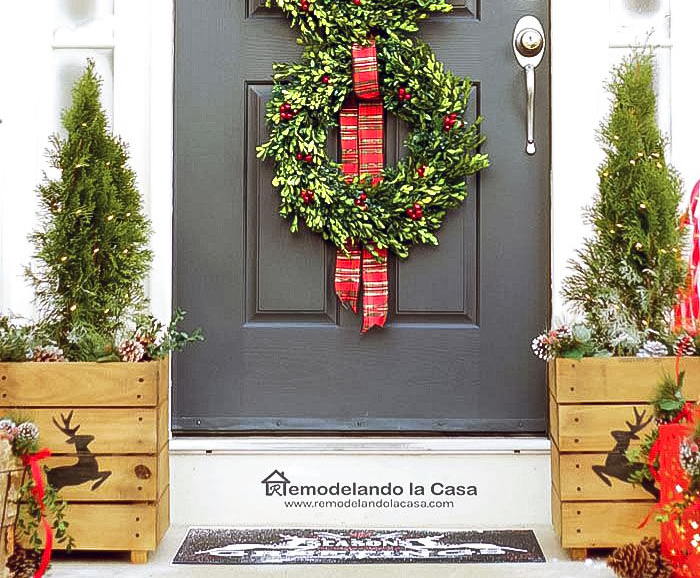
625, 283
95, 363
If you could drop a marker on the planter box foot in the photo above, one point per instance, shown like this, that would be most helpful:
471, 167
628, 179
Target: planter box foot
576, 554
141, 556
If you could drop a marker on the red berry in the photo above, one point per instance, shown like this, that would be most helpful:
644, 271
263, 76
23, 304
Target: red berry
357, 2
417, 206
453, 116
402, 91
407, 96
300, 156
308, 158
363, 197
421, 171
358, 202
326, 79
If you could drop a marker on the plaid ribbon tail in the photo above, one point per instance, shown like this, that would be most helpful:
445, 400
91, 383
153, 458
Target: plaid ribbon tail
375, 289
362, 154
347, 276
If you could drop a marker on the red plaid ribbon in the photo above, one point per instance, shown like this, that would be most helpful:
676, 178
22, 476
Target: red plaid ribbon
365, 72
362, 152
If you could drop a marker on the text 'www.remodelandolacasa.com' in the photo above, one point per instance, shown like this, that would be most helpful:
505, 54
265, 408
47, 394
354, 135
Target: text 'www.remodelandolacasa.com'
386, 503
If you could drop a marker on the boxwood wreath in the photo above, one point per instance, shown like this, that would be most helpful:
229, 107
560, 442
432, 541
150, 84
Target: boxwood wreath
408, 203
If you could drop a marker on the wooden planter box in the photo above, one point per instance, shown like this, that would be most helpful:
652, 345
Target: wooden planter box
106, 425
594, 404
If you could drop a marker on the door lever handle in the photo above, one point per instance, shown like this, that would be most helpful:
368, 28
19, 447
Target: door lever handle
528, 45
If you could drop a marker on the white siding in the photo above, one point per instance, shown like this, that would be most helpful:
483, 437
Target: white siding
132, 45
583, 50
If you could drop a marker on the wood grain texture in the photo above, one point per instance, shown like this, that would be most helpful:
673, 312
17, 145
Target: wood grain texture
555, 468
617, 379
590, 428
112, 526
132, 478
163, 472
138, 556
574, 479
605, 524
556, 512
162, 426
30, 384
163, 514
115, 431
553, 420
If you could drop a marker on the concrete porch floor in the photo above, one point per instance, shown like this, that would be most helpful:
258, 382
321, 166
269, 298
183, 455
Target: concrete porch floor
84, 565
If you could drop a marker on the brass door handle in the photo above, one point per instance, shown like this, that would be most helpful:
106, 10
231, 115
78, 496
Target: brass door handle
528, 45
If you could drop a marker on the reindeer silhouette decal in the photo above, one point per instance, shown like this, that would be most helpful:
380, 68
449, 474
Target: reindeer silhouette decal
85, 469
616, 464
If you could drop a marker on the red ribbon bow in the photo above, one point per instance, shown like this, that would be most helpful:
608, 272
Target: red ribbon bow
362, 154
32, 461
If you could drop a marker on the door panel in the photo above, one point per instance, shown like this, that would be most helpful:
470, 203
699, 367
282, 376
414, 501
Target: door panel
281, 354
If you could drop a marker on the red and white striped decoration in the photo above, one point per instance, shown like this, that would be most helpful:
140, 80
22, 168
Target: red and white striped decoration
687, 310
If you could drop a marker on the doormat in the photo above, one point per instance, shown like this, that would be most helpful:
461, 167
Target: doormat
284, 546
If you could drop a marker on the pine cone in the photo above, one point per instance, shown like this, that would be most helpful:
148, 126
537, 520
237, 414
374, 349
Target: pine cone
657, 567
651, 544
652, 349
7, 427
684, 346
146, 341
23, 563
131, 350
629, 561
27, 431
690, 457
48, 353
542, 348
563, 333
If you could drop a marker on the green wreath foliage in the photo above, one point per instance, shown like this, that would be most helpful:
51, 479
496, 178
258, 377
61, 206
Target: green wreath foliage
408, 205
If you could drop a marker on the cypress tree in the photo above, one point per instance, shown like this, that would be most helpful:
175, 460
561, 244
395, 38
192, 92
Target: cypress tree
628, 273
91, 248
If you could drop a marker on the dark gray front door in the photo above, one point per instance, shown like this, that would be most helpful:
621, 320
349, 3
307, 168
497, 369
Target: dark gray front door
280, 353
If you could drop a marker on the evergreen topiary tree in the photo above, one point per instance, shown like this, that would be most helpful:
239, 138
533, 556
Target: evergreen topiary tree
628, 273
91, 247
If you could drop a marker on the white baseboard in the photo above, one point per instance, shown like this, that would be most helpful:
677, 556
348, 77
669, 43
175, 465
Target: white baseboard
370, 482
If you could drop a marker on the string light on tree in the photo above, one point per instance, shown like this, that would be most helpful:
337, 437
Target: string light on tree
640, 284
95, 187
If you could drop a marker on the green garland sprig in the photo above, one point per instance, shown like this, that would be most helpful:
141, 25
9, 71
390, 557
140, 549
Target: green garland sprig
336, 22
408, 204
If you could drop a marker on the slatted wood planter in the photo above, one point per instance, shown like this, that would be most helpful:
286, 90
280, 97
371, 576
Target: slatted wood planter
594, 404
106, 425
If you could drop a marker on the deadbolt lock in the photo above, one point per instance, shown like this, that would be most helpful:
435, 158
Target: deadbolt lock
529, 42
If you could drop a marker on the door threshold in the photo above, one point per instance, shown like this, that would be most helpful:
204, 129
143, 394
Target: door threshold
361, 445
